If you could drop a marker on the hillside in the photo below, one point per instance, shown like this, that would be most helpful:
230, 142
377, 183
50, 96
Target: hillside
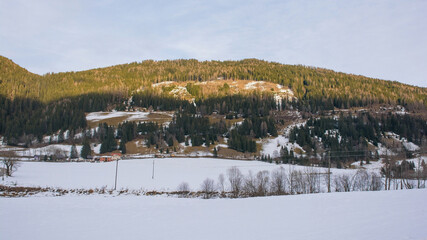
16, 81
248, 109
307, 83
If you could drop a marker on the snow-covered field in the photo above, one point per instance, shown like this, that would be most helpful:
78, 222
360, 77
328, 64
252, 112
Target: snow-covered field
65, 149
137, 174
356, 215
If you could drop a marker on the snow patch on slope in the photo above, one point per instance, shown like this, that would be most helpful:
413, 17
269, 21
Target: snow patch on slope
410, 146
273, 146
131, 116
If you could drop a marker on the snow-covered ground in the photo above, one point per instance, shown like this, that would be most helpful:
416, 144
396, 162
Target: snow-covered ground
131, 116
273, 146
417, 161
373, 166
65, 149
137, 173
357, 215
410, 146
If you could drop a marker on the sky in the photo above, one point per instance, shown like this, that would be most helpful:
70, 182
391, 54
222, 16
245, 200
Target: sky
380, 39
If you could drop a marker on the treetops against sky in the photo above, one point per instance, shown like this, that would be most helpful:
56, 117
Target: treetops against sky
381, 39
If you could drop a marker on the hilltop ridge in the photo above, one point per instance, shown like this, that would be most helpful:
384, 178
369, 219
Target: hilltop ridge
307, 83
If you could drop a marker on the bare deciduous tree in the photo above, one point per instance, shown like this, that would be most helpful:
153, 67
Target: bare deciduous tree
221, 183
208, 188
235, 179
291, 181
183, 189
361, 181
256, 185
312, 179
10, 162
300, 185
249, 185
343, 183
421, 173
376, 182
278, 181
262, 183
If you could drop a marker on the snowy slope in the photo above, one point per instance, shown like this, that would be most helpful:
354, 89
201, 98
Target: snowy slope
273, 146
130, 116
356, 215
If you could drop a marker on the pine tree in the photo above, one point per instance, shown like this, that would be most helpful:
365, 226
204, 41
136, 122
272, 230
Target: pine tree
104, 148
73, 152
170, 141
122, 146
108, 143
60, 136
215, 152
86, 151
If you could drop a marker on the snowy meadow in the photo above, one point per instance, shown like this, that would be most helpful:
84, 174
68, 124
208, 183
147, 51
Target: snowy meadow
152, 174
360, 214
355, 215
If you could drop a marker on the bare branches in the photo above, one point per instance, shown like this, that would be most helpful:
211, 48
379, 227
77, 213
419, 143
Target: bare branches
278, 181
11, 163
183, 189
208, 188
235, 179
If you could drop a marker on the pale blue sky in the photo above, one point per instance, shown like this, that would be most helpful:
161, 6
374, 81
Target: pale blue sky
382, 39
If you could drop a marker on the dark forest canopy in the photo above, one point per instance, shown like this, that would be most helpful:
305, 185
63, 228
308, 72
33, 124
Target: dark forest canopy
349, 136
22, 119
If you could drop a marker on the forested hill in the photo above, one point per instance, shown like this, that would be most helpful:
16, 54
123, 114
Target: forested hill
16, 81
313, 85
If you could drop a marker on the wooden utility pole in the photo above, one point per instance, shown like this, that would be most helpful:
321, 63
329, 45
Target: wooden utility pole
117, 167
329, 171
152, 176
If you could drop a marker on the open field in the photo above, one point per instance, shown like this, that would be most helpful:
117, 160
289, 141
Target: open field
357, 215
137, 173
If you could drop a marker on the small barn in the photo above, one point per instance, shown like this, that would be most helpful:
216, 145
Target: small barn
116, 156
109, 158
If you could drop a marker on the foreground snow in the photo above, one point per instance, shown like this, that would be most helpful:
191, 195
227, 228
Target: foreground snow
356, 215
137, 173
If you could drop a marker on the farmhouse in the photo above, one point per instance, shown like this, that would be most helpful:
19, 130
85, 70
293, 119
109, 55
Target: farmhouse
109, 158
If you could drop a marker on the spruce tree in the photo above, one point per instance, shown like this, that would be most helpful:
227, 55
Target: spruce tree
60, 136
85, 149
73, 152
122, 146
